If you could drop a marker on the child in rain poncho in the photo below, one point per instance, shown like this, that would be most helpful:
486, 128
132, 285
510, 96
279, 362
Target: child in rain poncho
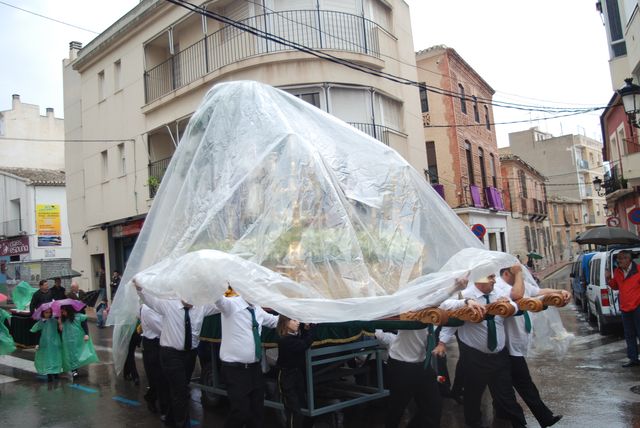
7, 345
77, 347
49, 353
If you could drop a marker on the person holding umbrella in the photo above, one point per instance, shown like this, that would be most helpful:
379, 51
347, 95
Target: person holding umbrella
77, 347
58, 291
48, 359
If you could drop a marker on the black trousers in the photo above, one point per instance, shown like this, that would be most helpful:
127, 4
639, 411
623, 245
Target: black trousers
525, 387
158, 385
130, 369
291, 384
493, 370
245, 389
177, 367
408, 381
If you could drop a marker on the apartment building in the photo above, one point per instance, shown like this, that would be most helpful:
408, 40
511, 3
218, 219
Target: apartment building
460, 141
620, 133
529, 229
570, 163
30, 140
137, 84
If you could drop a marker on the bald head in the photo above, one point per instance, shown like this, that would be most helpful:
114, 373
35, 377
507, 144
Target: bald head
75, 287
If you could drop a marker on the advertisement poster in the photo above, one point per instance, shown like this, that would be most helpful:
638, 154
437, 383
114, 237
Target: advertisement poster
48, 226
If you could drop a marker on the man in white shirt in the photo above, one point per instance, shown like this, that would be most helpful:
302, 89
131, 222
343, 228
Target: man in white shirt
151, 324
179, 338
511, 283
240, 355
486, 360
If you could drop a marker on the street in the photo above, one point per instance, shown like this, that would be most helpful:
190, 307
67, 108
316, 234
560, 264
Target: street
588, 386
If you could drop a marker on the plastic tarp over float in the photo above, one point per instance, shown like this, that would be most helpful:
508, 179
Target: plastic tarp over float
299, 212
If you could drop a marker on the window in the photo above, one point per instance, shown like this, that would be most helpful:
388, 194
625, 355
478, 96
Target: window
483, 172
312, 98
487, 121
492, 165
493, 242
618, 46
476, 113
527, 237
122, 159
432, 162
556, 219
523, 183
463, 99
101, 86
471, 175
424, 101
503, 242
105, 164
116, 76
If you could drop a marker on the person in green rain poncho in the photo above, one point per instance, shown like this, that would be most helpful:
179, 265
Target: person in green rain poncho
49, 353
7, 345
77, 347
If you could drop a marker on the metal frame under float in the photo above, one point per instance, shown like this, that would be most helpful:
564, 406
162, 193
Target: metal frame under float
323, 379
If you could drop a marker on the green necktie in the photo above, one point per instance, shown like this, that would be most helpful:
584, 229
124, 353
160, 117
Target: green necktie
492, 336
527, 321
256, 334
431, 344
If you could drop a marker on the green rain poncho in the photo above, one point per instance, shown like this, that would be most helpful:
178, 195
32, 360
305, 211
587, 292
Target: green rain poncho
49, 354
22, 295
76, 352
7, 345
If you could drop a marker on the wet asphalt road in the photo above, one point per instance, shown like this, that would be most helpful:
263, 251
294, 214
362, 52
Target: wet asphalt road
588, 386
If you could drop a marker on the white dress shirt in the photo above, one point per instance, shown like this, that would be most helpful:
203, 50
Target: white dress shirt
473, 334
409, 346
238, 345
172, 311
151, 322
517, 336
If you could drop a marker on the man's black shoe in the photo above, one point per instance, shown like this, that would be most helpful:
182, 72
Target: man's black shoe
554, 420
631, 363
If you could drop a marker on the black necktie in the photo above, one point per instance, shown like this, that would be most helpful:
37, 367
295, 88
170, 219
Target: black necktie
187, 330
492, 334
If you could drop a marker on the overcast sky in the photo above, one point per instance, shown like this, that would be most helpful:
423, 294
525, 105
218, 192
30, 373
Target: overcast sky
531, 52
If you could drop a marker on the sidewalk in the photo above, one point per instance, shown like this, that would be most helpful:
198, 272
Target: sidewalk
551, 269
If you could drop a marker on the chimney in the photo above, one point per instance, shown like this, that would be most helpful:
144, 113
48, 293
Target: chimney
15, 101
50, 112
74, 48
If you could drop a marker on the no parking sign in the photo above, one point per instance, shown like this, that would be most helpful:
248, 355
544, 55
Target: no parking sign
634, 216
479, 230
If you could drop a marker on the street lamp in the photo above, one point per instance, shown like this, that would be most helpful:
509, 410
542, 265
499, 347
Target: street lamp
630, 94
597, 186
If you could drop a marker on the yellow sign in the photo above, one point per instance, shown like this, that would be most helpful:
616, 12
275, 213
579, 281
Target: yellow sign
48, 228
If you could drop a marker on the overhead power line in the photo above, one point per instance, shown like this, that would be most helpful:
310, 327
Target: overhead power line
49, 18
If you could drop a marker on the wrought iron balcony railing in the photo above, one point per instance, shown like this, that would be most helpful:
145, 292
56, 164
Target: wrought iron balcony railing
316, 29
156, 172
379, 132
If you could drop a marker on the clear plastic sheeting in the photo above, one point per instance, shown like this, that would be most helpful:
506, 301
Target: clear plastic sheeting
549, 337
298, 211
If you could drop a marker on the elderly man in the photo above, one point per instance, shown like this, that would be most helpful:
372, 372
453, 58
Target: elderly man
75, 293
511, 283
486, 359
626, 279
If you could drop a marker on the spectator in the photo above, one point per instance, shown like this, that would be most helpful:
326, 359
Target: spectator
57, 291
102, 310
75, 293
626, 279
115, 282
43, 295
102, 283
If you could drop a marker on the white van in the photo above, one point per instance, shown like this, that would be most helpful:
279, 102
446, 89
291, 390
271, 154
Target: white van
602, 301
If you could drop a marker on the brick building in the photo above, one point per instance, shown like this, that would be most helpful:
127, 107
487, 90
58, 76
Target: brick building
460, 141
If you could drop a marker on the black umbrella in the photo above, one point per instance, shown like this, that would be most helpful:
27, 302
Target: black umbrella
91, 297
64, 274
605, 235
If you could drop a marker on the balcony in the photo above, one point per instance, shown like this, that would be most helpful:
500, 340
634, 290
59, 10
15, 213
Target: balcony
156, 172
11, 228
379, 132
314, 29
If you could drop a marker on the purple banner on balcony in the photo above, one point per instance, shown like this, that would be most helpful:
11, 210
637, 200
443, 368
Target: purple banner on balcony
475, 196
439, 188
491, 199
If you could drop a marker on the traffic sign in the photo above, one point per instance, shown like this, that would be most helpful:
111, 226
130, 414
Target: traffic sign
634, 216
479, 230
613, 222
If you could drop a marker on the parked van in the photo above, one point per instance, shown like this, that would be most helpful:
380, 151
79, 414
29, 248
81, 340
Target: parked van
603, 305
579, 278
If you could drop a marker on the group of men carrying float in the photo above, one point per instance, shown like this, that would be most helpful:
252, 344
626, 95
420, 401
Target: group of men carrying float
493, 344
